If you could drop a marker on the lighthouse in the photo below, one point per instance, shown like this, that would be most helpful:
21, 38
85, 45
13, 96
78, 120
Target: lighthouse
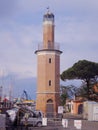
48, 69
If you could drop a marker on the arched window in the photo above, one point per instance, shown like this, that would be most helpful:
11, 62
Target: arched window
49, 101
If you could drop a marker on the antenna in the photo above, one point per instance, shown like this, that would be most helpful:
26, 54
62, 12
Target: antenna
10, 88
48, 9
1, 93
2, 83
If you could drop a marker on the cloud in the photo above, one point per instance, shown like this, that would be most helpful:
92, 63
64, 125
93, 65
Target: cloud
17, 50
76, 30
14, 87
78, 40
16, 9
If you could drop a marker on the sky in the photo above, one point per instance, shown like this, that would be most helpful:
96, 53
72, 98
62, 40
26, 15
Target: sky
76, 31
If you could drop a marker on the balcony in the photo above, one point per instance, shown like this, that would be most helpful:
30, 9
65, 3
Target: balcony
53, 47
49, 46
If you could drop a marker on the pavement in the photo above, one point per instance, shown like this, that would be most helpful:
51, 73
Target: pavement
57, 124
85, 124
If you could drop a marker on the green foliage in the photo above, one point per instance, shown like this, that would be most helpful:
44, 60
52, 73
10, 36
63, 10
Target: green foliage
63, 99
82, 92
84, 70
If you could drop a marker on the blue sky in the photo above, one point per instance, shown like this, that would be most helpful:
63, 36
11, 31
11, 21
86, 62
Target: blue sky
76, 30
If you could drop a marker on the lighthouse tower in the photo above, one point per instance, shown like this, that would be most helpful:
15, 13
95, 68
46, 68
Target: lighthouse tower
48, 69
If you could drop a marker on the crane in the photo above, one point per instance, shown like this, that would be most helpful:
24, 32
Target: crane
25, 95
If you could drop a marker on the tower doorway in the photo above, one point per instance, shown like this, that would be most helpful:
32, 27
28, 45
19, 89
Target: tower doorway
49, 108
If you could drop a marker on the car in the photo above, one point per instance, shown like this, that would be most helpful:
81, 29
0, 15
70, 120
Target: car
32, 119
23, 116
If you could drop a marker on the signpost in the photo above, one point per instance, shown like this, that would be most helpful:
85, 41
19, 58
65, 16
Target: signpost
78, 124
60, 109
44, 122
65, 123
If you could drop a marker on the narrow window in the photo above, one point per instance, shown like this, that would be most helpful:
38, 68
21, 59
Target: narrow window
49, 82
49, 60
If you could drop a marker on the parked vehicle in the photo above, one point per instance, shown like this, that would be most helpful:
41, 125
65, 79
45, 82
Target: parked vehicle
32, 119
23, 116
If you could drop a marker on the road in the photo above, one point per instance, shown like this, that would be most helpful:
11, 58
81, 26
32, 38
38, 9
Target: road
57, 125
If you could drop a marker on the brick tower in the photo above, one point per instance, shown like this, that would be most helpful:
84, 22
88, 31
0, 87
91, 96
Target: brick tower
48, 69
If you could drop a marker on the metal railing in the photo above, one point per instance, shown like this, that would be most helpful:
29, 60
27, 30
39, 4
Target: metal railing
52, 46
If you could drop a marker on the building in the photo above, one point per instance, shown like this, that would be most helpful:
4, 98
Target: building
48, 69
74, 106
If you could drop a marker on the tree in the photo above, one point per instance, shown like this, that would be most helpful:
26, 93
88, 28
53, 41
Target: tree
82, 90
93, 90
84, 70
